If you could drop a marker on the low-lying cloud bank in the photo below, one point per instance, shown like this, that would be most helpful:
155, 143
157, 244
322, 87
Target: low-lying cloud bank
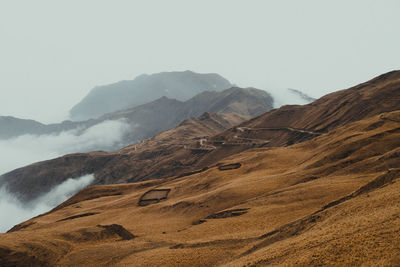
286, 97
26, 149
13, 211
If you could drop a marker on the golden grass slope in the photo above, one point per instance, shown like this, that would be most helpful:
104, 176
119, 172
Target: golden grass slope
199, 143
160, 156
332, 200
380, 94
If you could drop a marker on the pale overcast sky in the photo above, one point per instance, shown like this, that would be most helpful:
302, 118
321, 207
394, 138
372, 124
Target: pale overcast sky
53, 52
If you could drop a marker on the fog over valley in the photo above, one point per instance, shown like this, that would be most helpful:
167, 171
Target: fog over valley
111, 131
26, 149
13, 211
199, 133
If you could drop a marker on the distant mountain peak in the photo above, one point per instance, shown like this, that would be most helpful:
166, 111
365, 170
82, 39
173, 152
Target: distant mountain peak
180, 85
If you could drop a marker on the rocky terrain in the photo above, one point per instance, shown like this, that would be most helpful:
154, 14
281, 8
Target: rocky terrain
143, 89
301, 185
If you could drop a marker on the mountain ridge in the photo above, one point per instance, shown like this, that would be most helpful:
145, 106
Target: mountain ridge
330, 200
145, 88
280, 127
167, 143
159, 115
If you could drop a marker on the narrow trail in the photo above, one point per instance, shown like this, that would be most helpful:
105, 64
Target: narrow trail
252, 139
204, 146
201, 148
243, 129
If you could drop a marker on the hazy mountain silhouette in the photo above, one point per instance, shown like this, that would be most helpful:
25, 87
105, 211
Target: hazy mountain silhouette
163, 157
145, 88
159, 115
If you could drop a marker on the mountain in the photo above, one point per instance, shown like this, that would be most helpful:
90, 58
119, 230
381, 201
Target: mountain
331, 198
11, 127
280, 127
155, 156
145, 88
294, 123
165, 113
159, 115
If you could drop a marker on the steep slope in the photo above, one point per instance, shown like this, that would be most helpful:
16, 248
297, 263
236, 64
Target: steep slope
333, 200
149, 119
164, 113
143, 89
281, 127
292, 124
168, 153
250, 102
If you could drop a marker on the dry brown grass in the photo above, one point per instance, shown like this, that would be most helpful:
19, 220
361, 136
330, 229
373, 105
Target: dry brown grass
298, 205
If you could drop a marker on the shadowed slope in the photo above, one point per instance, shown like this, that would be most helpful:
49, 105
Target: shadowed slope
381, 94
184, 150
330, 200
163, 155
149, 119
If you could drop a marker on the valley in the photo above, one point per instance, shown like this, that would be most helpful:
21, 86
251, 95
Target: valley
316, 184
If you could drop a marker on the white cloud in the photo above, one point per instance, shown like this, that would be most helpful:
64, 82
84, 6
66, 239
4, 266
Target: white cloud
23, 150
13, 211
286, 97
27, 149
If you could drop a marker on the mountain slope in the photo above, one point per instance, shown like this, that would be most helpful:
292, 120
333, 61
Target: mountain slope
143, 89
11, 126
159, 115
164, 113
291, 124
333, 200
164, 154
281, 127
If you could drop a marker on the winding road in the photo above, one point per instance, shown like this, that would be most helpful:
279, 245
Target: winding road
242, 129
